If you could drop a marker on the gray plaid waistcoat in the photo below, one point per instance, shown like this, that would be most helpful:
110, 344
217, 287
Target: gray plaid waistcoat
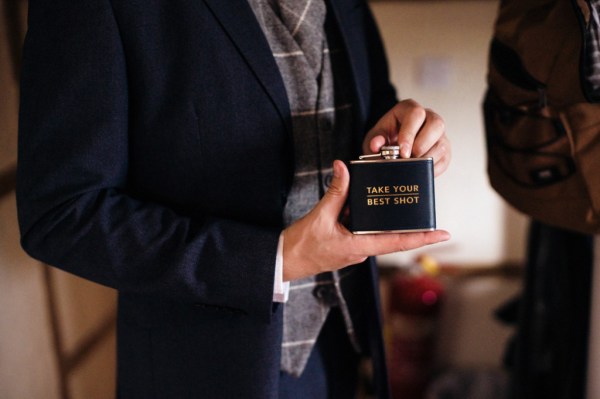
321, 126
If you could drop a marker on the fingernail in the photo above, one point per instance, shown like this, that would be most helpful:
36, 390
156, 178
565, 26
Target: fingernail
336, 169
405, 150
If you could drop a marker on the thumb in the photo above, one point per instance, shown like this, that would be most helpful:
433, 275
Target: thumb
334, 199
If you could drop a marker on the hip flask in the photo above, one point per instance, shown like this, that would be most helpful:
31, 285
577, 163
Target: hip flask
389, 194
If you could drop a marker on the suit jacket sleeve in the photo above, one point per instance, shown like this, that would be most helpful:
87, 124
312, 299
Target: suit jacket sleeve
76, 209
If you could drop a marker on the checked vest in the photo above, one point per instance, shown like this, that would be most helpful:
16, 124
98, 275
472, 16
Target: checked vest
307, 51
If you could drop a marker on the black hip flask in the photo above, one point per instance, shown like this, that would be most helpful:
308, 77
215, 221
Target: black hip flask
389, 194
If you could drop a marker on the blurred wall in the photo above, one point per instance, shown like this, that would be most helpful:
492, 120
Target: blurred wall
437, 52
56, 330
438, 56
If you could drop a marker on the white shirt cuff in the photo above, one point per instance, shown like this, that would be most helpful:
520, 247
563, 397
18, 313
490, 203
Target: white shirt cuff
281, 290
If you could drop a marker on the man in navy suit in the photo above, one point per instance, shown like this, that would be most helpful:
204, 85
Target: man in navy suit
156, 157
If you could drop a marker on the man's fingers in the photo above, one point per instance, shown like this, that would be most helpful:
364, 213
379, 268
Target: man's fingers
335, 197
380, 244
431, 133
413, 117
376, 143
441, 153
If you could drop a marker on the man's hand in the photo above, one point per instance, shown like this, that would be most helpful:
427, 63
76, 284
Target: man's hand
318, 242
418, 131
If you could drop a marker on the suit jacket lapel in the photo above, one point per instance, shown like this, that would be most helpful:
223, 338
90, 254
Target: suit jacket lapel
340, 10
358, 69
238, 20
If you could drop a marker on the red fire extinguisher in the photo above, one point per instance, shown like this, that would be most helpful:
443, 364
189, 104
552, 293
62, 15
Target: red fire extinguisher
414, 304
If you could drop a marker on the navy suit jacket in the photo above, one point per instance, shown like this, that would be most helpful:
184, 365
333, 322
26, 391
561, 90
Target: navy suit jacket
155, 157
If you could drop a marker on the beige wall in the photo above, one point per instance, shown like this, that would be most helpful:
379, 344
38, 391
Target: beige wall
56, 330
438, 56
27, 362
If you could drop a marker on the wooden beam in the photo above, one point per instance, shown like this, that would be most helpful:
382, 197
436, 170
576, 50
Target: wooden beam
57, 335
8, 180
102, 331
67, 363
13, 12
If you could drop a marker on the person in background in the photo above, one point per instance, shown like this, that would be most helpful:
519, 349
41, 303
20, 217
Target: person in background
189, 154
